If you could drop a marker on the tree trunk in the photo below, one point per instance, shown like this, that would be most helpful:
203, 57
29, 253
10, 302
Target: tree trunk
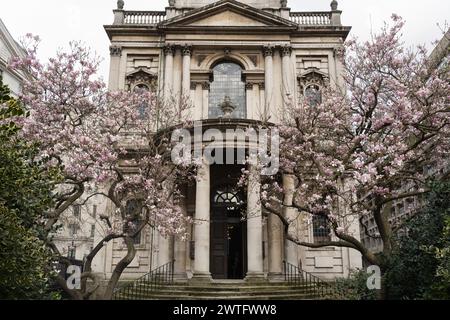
121, 266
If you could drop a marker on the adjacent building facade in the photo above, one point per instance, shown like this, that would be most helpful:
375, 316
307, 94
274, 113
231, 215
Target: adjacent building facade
9, 49
401, 210
259, 56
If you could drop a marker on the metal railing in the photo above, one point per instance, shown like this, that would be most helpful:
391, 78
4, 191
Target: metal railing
144, 286
318, 288
144, 17
317, 18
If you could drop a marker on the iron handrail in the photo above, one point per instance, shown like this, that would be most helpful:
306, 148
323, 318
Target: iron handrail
318, 287
143, 286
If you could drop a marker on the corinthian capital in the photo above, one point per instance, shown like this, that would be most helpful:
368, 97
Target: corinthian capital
268, 51
186, 50
115, 51
286, 50
169, 50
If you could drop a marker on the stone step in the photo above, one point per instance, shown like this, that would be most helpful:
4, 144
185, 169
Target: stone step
158, 296
228, 289
223, 290
223, 293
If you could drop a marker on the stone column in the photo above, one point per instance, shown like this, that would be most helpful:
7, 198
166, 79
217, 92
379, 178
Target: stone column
114, 71
180, 248
268, 56
250, 100
205, 99
339, 65
164, 255
186, 51
202, 226
197, 97
291, 255
254, 227
286, 52
169, 52
275, 232
177, 74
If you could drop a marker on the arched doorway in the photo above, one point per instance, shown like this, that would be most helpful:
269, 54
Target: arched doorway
228, 229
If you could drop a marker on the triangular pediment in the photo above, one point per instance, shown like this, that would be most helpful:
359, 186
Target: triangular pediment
227, 18
227, 14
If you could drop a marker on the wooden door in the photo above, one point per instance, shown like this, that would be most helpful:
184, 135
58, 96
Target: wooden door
219, 243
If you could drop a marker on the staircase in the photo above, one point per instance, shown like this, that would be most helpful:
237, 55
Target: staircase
229, 290
159, 285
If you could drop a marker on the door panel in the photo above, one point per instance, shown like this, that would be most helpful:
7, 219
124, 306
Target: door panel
219, 248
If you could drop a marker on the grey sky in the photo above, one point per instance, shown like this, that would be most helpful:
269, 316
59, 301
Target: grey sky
59, 21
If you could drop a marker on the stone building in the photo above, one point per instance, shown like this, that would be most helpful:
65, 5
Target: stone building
260, 55
9, 49
75, 238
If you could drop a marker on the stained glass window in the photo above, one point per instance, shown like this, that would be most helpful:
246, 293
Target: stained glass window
227, 82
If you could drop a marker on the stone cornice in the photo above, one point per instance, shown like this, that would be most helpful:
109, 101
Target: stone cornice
301, 31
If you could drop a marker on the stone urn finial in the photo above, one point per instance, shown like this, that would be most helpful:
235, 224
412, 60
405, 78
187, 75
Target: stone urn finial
172, 3
227, 107
120, 4
283, 3
334, 5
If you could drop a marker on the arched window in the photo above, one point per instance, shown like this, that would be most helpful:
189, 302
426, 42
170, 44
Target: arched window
227, 195
230, 198
227, 83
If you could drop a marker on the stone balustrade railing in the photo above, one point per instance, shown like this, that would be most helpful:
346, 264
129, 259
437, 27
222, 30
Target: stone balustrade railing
154, 17
144, 17
311, 18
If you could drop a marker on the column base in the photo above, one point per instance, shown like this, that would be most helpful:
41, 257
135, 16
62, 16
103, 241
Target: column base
180, 276
257, 277
201, 278
276, 276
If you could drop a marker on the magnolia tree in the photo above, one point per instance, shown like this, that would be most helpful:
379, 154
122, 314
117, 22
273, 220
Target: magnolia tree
106, 144
356, 152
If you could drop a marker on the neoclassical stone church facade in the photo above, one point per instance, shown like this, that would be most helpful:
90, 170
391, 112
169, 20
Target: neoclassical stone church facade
261, 55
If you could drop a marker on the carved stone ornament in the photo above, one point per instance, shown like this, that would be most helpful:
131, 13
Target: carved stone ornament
186, 50
141, 76
227, 107
268, 51
169, 50
115, 51
286, 50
